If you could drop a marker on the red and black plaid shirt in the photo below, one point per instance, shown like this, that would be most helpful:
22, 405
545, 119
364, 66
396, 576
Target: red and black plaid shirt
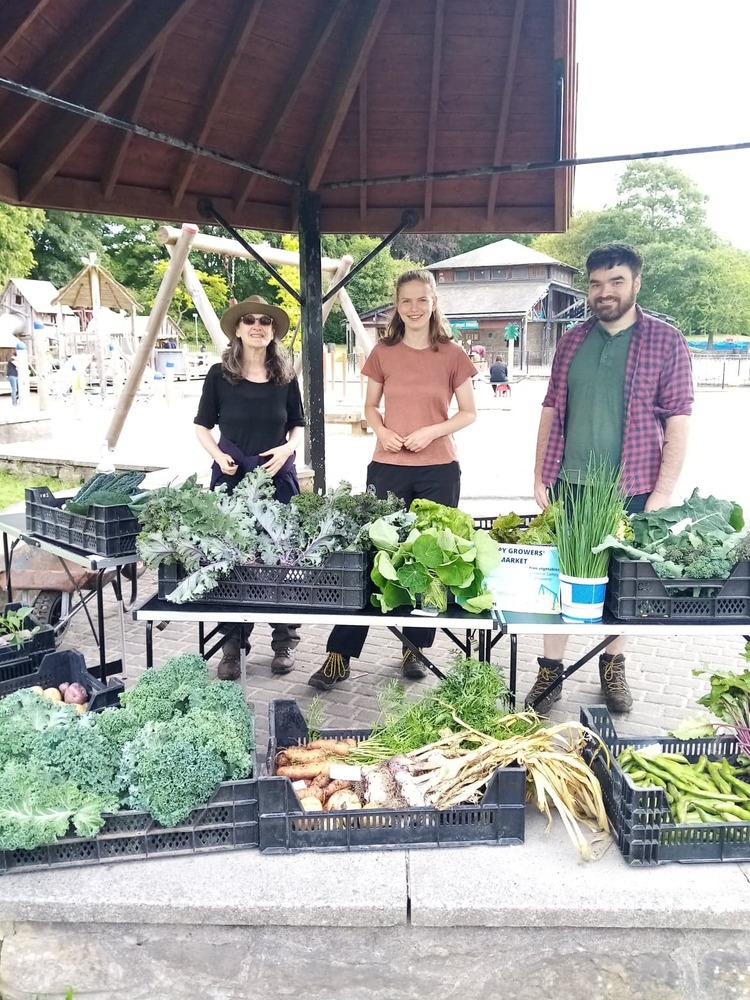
658, 385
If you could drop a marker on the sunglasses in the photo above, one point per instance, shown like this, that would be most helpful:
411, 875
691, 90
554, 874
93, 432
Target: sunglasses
252, 320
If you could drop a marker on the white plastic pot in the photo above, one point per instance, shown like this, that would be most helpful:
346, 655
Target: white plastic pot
582, 600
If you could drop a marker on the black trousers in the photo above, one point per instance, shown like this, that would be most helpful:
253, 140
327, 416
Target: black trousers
441, 483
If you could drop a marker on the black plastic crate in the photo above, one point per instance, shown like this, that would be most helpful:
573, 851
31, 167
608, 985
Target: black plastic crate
66, 665
485, 523
19, 661
635, 592
641, 820
228, 821
285, 827
342, 581
105, 530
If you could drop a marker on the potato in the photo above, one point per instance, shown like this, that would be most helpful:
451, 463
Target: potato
345, 799
52, 694
81, 708
310, 804
76, 694
37, 689
62, 688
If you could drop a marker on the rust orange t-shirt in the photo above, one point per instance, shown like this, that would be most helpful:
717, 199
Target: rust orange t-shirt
418, 386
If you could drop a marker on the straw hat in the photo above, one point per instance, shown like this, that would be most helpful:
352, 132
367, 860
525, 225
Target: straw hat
258, 307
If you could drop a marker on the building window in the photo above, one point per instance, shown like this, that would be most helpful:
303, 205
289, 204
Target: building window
520, 272
444, 277
481, 274
499, 273
462, 274
19, 299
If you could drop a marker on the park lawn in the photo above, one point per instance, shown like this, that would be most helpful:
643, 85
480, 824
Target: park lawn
13, 486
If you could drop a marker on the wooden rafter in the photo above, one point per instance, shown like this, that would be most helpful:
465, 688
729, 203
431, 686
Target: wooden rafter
437, 49
502, 119
51, 70
107, 79
370, 17
363, 143
130, 107
286, 98
225, 64
17, 16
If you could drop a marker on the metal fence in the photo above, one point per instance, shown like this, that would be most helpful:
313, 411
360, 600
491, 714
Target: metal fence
721, 371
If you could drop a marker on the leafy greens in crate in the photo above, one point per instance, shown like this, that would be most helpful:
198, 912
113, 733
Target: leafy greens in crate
699, 539
174, 739
211, 533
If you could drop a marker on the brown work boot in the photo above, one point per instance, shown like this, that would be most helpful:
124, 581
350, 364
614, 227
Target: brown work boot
283, 661
229, 666
615, 688
335, 668
411, 667
549, 670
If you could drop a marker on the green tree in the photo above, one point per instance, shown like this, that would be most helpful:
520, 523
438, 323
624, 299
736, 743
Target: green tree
665, 204
16, 242
133, 252
285, 299
182, 307
63, 241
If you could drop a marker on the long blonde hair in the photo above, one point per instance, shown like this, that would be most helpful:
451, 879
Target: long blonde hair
279, 367
440, 331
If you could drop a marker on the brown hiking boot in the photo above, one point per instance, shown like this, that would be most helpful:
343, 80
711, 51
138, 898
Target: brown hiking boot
283, 661
411, 667
229, 666
617, 694
549, 670
335, 668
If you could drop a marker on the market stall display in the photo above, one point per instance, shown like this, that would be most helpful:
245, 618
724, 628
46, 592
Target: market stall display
163, 772
97, 519
448, 768
643, 823
250, 548
689, 561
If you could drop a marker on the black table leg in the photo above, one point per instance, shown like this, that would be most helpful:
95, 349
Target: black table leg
598, 648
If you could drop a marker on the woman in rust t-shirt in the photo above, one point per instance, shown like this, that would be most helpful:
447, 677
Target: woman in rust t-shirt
416, 371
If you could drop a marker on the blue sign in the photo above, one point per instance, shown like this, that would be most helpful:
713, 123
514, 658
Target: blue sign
464, 324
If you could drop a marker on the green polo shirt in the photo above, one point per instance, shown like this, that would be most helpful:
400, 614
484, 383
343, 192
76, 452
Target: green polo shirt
595, 409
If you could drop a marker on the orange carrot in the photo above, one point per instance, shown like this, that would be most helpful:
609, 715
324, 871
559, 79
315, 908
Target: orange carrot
300, 772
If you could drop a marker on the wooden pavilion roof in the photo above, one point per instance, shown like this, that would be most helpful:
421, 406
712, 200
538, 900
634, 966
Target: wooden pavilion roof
322, 93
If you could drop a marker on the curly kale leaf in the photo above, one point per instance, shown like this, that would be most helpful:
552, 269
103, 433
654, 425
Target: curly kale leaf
36, 807
162, 693
169, 770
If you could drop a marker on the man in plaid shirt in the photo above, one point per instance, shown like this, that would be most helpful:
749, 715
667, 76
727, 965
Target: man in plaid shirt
621, 389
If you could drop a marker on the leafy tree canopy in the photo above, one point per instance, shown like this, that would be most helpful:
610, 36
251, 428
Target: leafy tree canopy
16, 241
63, 241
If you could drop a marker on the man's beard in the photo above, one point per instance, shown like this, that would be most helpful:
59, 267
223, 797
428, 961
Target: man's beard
613, 310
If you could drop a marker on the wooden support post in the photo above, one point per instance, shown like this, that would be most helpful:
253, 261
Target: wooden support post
161, 303
312, 332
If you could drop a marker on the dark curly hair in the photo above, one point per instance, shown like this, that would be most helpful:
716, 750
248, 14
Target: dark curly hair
615, 255
278, 363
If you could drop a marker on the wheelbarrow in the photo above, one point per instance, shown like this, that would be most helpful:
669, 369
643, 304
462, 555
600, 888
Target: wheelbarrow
56, 588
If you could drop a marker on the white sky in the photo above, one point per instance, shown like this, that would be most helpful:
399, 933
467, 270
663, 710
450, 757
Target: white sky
667, 74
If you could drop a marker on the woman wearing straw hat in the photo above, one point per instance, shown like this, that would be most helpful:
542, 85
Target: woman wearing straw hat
254, 398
